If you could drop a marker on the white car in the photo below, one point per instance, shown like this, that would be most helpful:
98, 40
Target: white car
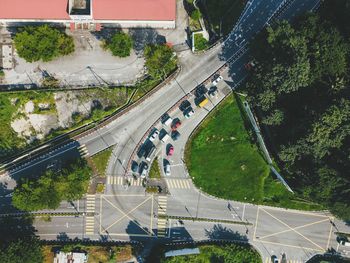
188, 113
217, 80
154, 134
167, 169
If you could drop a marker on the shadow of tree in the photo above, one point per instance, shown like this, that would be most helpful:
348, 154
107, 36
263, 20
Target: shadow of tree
222, 232
13, 228
144, 36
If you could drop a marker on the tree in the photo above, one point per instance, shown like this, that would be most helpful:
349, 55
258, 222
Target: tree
196, 14
45, 43
120, 44
51, 188
27, 250
200, 43
160, 60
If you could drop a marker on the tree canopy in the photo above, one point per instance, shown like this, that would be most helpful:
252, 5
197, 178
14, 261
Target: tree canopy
300, 91
120, 44
160, 60
44, 43
47, 191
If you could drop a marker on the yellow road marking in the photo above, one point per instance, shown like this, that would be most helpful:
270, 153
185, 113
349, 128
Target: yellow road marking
285, 245
256, 222
127, 214
292, 229
288, 230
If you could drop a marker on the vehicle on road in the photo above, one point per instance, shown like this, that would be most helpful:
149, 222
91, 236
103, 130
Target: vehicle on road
188, 112
274, 259
213, 91
217, 79
153, 135
167, 169
170, 150
175, 135
164, 136
143, 169
201, 101
175, 124
166, 119
134, 166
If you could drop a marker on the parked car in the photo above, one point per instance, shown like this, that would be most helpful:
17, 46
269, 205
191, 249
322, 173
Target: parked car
163, 136
153, 135
170, 150
188, 113
141, 151
344, 242
274, 259
175, 124
213, 91
150, 152
143, 169
166, 119
185, 105
175, 135
167, 169
217, 79
200, 91
134, 166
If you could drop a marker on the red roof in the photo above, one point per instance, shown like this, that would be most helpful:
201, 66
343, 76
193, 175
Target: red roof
34, 9
162, 10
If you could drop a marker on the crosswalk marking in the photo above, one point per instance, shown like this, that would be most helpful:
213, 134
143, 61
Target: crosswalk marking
119, 180
90, 219
162, 222
83, 150
178, 183
268, 260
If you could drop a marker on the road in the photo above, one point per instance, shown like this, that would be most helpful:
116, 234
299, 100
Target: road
128, 213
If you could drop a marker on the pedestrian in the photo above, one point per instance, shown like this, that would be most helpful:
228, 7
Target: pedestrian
229, 206
247, 231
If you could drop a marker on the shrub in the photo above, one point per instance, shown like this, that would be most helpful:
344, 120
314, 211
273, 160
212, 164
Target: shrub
34, 43
120, 44
200, 43
196, 15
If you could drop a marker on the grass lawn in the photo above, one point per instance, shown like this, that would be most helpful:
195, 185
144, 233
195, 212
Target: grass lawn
224, 162
212, 253
221, 158
101, 159
154, 172
225, 11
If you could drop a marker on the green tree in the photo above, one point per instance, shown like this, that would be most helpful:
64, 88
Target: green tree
45, 43
200, 43
196, 14
160, 60
120, 44
26, 250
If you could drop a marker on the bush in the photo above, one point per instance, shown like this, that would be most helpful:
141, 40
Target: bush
196, 15
34, 43
120, 44
200, 43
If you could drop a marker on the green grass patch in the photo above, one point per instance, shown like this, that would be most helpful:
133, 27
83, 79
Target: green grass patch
101, 159
200, 43
154, 172
222, 12
195, 25
226, 253
224, 161
221, 158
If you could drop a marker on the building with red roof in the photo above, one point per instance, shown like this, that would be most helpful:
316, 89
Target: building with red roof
91, 14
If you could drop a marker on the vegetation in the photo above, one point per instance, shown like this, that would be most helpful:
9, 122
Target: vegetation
2, 73
200, 43
44, 43
240, 170
154, 172
160, 60
234, 253
101, 160
100, 188
47, 191
196, 14
120, 44
300, 88
221, 15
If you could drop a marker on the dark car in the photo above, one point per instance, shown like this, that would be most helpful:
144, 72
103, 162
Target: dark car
175, 135
141, 152
185, 105
176, 124
200, 91
134, 166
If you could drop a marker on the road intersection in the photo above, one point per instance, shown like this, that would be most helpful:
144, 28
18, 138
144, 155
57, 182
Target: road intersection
127, 213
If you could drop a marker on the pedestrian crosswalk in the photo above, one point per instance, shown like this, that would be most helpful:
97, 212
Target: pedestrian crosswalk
268, 260
83, 150
179, 183
118, 180
162, 221
90, 211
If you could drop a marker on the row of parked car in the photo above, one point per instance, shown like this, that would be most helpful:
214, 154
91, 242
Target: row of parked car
148, 148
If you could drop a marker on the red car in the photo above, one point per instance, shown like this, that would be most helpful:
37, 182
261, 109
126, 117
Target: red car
176, 124
170, 151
